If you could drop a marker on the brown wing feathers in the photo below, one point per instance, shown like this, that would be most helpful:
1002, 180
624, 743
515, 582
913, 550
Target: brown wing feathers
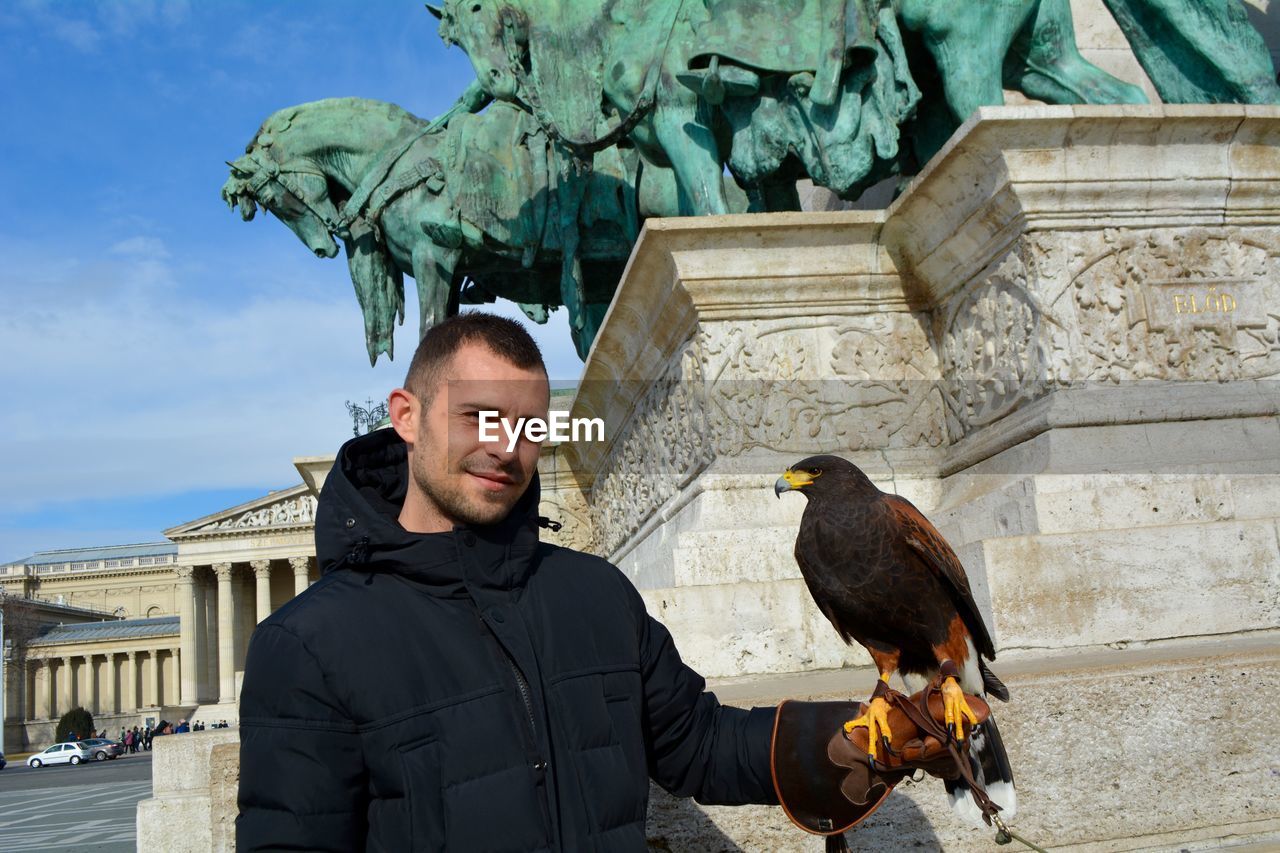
927, 543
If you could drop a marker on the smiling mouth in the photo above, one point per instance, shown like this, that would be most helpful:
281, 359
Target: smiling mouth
493, 482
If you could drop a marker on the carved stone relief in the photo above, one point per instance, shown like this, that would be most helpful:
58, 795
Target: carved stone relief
570, 508
663, 445
1110, 306
992, 352
857, 384
784, 386
1196, 304
299, 510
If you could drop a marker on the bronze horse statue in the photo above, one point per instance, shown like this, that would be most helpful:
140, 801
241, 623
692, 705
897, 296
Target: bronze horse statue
773, 91
467, 207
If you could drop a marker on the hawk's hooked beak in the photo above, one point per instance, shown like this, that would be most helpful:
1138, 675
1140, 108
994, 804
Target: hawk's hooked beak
791, 480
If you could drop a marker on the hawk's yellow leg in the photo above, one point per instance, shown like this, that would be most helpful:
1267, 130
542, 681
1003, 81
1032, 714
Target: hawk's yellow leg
955, 709
876, 719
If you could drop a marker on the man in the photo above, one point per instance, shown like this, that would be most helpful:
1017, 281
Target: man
452, 683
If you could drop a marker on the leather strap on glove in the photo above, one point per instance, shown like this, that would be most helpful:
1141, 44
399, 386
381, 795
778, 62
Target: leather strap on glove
825, 780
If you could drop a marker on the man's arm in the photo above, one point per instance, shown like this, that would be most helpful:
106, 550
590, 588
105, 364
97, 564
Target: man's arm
302, 775
697, 747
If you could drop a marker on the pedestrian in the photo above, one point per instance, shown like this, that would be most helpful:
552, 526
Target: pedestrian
128, 741
449, 668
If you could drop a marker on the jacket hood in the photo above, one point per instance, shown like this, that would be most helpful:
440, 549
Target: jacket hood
357, 526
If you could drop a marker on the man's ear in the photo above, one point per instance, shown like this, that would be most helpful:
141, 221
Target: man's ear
405, 411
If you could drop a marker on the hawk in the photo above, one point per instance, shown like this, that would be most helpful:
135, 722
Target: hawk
885, 577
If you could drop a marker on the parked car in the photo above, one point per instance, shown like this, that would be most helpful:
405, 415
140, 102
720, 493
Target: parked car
1, 760
103, 748
61, 753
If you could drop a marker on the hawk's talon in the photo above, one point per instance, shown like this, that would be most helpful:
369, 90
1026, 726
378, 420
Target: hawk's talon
876, 720
955, 709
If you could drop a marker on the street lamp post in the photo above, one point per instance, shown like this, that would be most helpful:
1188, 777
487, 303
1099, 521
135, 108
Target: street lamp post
367, 416
4, 655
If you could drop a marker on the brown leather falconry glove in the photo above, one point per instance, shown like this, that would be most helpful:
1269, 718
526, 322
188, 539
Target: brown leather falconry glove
826, 782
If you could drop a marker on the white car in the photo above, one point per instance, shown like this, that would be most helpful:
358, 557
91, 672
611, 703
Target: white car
61, 753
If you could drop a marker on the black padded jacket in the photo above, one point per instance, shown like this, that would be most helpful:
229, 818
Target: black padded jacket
475, 690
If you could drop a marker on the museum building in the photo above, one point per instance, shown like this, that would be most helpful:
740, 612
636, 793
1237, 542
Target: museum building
157, 631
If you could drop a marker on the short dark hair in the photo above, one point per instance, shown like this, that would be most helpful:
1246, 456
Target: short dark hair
504, 338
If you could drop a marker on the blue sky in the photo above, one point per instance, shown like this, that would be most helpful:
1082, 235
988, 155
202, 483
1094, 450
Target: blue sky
159, 358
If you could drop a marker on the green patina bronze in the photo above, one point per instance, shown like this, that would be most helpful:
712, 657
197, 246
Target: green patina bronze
1199, 51
772, 90
607, 111
467, 205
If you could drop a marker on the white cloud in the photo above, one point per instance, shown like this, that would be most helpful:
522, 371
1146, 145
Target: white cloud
147, 247
17, 544
75, 31
119, 19
122, 379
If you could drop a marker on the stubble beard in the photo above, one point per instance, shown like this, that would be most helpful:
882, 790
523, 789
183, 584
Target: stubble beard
444, 489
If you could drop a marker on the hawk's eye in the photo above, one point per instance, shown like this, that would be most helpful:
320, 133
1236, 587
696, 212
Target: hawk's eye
815, 471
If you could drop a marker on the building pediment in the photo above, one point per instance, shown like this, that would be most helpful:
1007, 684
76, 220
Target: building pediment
287, 509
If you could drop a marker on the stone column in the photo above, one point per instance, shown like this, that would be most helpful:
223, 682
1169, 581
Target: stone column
129, 684
50, 697
186, 593
111, 684
33, 690
210, 641
301, 565
157, 697
226, 637
68, 687
262, 572
32, 708
95, 707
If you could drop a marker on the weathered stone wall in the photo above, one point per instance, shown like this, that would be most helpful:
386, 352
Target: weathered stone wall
1063, 328
1158, 748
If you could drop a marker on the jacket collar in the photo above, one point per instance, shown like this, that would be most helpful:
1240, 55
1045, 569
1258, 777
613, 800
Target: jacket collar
357, 527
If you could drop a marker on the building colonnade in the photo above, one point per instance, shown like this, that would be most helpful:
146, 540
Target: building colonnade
101, 682
218, 606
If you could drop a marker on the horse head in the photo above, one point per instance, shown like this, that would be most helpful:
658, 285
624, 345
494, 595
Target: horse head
495, 36
294, 190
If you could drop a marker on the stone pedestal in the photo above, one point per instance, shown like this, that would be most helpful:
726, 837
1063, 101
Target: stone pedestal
193, 802
1060, 342
1122, 787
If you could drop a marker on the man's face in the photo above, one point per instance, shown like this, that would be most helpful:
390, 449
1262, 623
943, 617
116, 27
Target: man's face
470, 481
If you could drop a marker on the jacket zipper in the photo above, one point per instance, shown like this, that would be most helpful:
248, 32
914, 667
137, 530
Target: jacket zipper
521, 684
524, 690
541, 764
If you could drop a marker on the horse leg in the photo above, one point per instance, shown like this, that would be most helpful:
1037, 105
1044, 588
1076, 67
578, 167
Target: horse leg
571, 187
683, 131
1045, 63
593, 317
1198, 51
379, 288
433, 268
968, 41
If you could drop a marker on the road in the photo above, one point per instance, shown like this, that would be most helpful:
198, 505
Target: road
68, 809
